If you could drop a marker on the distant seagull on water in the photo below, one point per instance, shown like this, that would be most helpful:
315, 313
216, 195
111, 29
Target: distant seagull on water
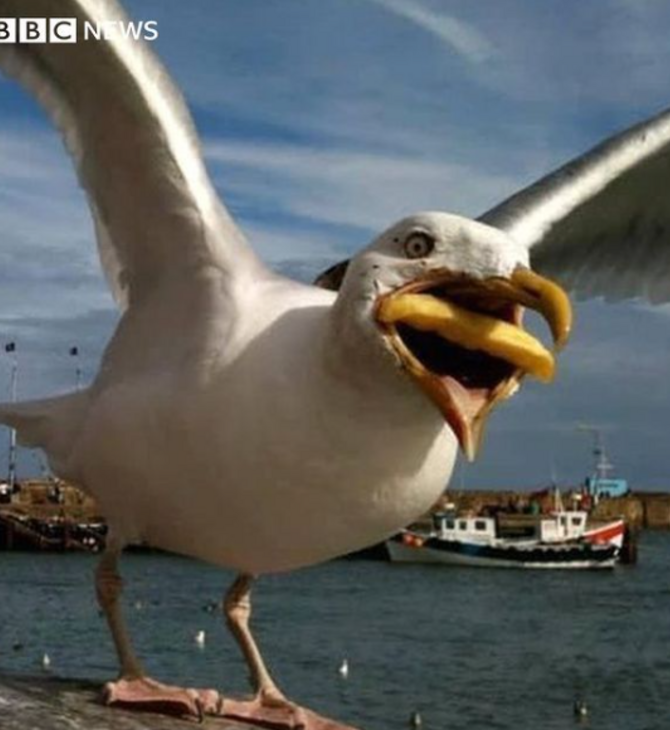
416, 721
580, 709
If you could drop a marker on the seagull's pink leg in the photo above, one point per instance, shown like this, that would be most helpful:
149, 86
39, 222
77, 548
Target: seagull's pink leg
134, 688
237, 608
269, 707
109, 586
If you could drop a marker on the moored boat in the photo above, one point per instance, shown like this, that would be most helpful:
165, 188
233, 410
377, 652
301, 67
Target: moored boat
561, 540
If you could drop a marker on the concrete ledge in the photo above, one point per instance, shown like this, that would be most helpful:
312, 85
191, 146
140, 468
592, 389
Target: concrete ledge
38, 703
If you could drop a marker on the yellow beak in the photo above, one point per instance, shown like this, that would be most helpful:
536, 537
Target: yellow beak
427, 307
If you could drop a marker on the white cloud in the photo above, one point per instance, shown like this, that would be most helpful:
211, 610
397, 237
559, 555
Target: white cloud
459, 36
345, 187
48, 259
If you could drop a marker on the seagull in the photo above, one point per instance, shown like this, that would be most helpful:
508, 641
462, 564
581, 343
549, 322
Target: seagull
580, 709
311, 420
200, 639
343, 669
415, 720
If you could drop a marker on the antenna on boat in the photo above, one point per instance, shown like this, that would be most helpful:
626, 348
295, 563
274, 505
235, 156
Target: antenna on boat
603, 466
10, 349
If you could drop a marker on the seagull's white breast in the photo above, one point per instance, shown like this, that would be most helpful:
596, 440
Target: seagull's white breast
268, 461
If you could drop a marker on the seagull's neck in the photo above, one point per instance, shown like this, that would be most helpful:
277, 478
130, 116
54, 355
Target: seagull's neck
366, 373
380, 439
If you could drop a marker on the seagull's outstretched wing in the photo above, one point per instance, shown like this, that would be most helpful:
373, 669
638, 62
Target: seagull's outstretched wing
134, 147
601, 223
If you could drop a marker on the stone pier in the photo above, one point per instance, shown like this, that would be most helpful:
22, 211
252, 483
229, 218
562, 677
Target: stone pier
29, 703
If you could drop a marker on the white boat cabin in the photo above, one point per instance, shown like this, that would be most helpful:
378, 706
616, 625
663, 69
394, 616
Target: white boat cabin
566, 525
452, 527
560, 526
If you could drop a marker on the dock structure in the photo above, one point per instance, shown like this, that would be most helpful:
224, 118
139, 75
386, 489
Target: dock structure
21, 532
46, 703
48, 515
641, 510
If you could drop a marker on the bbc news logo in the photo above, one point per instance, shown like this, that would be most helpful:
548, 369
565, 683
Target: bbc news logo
67, 30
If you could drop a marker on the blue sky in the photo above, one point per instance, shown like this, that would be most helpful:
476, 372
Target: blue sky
324, 121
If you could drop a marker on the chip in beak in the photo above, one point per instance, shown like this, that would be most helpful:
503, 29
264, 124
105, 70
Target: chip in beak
461, 339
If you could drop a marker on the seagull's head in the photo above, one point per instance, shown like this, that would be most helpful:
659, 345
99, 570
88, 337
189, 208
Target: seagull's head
443, 298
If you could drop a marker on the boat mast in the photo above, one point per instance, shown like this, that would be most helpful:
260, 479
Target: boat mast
602, 465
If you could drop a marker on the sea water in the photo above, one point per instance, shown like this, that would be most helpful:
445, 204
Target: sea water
464, 647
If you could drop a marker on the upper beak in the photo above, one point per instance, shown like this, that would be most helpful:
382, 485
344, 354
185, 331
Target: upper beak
546, 297
444, 317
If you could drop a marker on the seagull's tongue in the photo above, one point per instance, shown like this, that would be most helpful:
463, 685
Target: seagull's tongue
466, 402
470, 330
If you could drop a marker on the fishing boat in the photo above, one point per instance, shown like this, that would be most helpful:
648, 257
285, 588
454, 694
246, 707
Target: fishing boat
559, 540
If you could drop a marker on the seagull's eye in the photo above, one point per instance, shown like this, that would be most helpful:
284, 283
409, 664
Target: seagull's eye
419, 245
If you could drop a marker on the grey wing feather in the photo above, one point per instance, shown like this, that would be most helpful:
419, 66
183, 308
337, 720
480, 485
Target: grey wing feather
133, 143
601, 223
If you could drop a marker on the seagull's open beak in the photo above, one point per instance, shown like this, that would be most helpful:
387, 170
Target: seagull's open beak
461, 339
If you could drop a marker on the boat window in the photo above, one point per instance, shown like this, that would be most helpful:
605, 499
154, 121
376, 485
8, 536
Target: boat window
576, 521
480, 525
450, 524
564, 521
462, 525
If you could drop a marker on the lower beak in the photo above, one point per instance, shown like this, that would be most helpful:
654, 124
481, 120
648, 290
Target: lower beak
461, 339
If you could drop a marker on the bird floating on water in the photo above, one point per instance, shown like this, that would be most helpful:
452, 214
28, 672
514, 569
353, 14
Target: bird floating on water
416, 721
580, 709
343, 669
285, 402
46, 662
200, 638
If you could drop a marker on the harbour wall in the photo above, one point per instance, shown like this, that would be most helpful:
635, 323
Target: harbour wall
42, 507
642, 510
